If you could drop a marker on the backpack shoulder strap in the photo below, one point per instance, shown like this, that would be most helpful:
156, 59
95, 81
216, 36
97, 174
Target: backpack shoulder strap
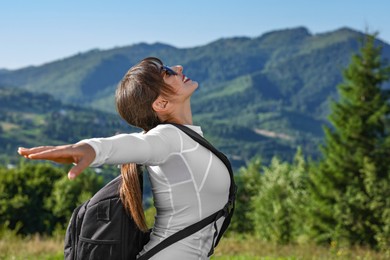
227, 211
229, 207
202, 141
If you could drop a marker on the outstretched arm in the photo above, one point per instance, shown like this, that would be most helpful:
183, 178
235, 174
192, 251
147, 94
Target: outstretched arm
80, 154
151, 148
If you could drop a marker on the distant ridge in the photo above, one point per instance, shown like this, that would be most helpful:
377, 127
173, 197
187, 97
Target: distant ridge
279, 82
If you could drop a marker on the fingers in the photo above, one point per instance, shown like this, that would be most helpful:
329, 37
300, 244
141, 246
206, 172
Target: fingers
27, 151
86, 156
77, 169
60, 154
81, 154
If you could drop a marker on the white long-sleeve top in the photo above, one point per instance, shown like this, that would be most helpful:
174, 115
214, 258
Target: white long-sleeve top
188, 183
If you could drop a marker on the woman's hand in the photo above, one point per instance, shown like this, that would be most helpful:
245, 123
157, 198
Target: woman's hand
80, 154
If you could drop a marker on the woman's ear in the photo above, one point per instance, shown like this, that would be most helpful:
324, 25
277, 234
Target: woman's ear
160, 104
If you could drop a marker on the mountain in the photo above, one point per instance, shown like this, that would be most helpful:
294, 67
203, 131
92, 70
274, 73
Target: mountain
264, 95
31, 119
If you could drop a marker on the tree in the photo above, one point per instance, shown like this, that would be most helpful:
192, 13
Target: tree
67, 195
248, 182
22, 192
38, 197
351, 187
279, 204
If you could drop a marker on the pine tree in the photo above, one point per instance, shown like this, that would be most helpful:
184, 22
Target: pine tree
278, 206
351, 186
248, 182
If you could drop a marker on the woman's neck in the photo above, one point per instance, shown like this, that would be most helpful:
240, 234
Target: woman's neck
182, 115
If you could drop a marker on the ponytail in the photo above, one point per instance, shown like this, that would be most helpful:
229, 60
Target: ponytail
134, 98
131, 194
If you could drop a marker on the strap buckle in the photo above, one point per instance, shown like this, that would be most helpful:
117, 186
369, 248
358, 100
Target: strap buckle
230, 204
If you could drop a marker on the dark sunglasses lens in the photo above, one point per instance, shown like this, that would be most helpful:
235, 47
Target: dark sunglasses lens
169, 71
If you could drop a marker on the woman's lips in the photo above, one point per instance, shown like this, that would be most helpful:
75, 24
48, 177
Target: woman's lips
185, 79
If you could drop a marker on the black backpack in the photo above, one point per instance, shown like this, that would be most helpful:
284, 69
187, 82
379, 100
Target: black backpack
100, 228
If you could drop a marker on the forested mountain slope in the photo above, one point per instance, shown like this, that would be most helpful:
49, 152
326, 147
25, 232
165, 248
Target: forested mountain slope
264, 95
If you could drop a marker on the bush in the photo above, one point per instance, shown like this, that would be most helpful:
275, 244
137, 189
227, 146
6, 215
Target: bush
38, 198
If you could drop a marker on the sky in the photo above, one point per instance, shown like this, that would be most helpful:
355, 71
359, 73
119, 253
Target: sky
34, 32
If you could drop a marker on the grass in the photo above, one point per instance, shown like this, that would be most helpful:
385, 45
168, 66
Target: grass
248, 248
32, 247
6, 126
230, 248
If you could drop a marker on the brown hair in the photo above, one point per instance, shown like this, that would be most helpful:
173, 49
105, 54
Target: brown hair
135, 94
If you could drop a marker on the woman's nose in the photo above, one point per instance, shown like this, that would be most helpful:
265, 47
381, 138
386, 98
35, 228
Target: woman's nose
178, 69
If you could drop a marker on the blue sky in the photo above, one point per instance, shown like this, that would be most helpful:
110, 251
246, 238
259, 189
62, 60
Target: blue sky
33, 32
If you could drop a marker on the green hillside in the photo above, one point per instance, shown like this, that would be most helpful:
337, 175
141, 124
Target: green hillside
264, 95
291, 61
30, 119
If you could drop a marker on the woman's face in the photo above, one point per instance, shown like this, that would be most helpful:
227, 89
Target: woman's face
182, 85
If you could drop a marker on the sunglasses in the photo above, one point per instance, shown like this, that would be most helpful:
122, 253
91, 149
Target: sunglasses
167, 70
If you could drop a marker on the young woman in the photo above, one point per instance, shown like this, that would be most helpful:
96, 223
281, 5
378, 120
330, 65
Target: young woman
188, 181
